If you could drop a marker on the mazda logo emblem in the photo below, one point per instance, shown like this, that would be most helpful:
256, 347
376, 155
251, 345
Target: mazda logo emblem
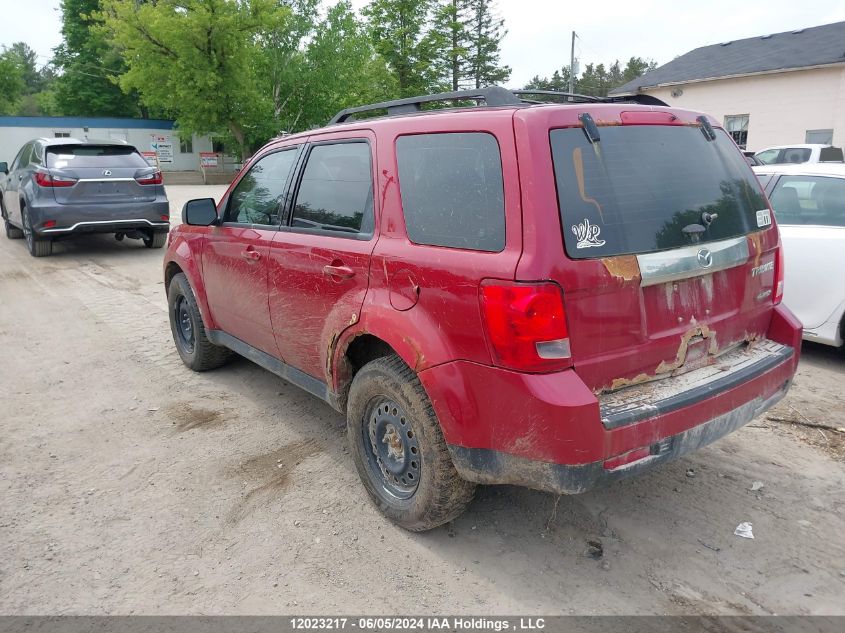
106, 172
705, 258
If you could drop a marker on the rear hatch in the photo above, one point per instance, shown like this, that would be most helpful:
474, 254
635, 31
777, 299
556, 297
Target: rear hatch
669, 245
105, 174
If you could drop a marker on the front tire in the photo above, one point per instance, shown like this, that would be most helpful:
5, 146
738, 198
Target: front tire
12, 232
188, 330
38, 247
399, 450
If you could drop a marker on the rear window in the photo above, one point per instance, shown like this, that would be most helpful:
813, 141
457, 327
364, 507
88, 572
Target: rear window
831, 155
452, 190
814, 200
60, 156
646, 188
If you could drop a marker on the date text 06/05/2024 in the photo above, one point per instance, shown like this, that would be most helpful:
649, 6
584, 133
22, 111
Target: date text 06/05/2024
417, 623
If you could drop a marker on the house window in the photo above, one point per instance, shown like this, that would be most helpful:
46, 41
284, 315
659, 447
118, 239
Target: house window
186, 146
61, 134
823, 137
737, 126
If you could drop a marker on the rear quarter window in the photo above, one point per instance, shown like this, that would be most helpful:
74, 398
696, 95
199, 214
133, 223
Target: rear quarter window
452, 190
61, 156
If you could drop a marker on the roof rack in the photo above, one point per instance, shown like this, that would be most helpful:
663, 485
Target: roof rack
569, 96
492, 96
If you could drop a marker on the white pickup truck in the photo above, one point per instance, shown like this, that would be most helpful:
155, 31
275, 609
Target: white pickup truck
795, 154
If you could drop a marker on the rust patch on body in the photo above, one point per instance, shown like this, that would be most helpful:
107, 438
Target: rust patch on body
625, 267
620, 383
757, 240
698, 332
419, 357
696, 336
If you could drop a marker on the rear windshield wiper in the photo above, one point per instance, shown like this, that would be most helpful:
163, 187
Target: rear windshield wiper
706, 128
590, 128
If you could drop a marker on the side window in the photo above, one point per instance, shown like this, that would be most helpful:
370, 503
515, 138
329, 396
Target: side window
768, 157
336, 190
452, 190
795, 155
814, 200
37, 157
257, 198
22, 158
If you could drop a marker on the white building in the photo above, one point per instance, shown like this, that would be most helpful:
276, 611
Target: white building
769, 90
173, 152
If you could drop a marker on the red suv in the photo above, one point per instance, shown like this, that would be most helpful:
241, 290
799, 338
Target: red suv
548, 295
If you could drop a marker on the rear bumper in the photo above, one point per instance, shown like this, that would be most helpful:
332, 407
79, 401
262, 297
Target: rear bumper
494, 467
99, 218
550, 432
108, 226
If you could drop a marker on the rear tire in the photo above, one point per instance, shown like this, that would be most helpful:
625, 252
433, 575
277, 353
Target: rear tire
156, 240
38, 247
399, 450
188, 330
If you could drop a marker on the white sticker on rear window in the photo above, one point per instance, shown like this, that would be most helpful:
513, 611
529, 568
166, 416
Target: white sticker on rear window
587, 234
764, 217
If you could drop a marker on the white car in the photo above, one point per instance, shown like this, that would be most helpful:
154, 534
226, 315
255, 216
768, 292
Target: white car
809, 205
795, 154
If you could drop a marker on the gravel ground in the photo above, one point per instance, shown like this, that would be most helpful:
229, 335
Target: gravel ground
130, 485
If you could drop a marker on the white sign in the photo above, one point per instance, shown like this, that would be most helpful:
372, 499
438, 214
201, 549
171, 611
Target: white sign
163, 147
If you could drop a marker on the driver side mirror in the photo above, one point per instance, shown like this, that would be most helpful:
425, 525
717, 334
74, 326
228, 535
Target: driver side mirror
200, 212
4, 168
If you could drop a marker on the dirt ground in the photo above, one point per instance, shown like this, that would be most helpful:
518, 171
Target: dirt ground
130, 485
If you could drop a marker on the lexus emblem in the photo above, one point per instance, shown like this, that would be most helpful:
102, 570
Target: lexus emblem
705, 258
107, 172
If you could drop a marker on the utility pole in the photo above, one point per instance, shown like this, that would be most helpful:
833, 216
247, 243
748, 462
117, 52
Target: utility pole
572, 66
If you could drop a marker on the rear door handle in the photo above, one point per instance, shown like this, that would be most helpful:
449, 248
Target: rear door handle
341, 271
251, 255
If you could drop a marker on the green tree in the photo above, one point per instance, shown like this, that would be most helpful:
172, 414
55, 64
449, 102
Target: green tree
487, 31
11, 80
398, 29
37, 96
596, 80
449, 39
90, 67
199, 60
342, 68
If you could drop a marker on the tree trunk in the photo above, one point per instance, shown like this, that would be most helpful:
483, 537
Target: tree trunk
455, 59
240, 138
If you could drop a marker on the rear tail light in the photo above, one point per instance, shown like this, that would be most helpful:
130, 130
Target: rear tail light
525, 325
152, 179
45, 179
778, 288
49, 224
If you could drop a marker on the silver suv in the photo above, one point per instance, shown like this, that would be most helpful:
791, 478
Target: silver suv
62, 187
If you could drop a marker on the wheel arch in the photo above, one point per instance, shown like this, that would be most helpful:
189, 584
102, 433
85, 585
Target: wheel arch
182, 258
382, 332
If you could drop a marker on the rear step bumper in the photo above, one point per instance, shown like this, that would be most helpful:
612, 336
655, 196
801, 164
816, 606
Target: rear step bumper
550, 432
641, 402
494, 467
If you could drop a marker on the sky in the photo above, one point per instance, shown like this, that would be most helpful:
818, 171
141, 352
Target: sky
539, 31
